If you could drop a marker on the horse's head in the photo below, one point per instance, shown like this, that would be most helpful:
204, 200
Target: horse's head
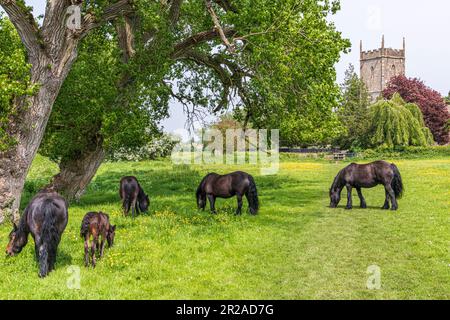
17, 240
335, 197
144, 203
201, 201
110, 235
200, 196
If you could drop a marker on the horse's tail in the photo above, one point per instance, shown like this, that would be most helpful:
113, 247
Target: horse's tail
252, 196
49, 238
397, 183
125, 191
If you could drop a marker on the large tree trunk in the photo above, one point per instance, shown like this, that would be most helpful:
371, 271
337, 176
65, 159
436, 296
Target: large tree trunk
28, 129
76, 173
51, 50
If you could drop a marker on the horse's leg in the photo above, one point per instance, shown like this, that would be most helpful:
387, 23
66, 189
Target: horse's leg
239, 202
137, 208
394, 205
212, 201
126, 207
386, 202
54, 253
102, 247
133, 207
37, 242
93, 246
36, 251
361, 198
349, 197
86, 251
51, 260
204, 199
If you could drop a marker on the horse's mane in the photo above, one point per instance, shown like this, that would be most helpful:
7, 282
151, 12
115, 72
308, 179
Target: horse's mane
200, 186
141, 194
335, 183
23, 225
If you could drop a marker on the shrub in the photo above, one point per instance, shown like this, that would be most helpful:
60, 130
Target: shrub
395, 123
410, 152
158, 148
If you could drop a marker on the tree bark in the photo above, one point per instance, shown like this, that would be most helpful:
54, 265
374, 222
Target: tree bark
77, 172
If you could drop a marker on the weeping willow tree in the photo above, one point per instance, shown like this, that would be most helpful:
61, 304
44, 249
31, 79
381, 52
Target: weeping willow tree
396, 123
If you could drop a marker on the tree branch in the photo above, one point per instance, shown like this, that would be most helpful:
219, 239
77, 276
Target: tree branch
226, 5
125, 33
218, 27
230, 79
197, 39
190, 108
121, 7
175, 9
224, 76
25, 25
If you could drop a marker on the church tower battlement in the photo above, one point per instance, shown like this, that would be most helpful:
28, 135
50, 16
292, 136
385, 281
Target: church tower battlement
378, 67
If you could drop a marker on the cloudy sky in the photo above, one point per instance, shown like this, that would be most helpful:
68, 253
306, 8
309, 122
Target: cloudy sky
425, 24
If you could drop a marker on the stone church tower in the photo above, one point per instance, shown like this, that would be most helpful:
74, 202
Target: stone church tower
378, 67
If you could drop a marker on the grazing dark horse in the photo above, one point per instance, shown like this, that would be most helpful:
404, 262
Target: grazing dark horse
96, 224
367, 176
236, 184
45, 218
133, 196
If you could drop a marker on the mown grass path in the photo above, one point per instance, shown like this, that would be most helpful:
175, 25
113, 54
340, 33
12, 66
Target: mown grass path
296, 248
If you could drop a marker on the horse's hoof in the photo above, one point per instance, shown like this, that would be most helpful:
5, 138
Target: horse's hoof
394, 209
363, 207
348, 208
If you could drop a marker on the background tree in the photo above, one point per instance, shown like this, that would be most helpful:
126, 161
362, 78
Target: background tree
226, 121
205, 71
89, 122
15, 85
14, 78
353, 111
431, 104
257, 56
51, 50
294, 84
394, 123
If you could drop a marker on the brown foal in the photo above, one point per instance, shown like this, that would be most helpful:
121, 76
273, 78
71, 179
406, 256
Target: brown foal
96, 224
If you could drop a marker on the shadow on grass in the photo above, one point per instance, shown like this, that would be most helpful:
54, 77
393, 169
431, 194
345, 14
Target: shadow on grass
172, 191
163, 183
178, 186
62, 259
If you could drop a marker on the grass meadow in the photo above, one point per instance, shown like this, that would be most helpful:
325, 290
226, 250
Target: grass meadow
295, 248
